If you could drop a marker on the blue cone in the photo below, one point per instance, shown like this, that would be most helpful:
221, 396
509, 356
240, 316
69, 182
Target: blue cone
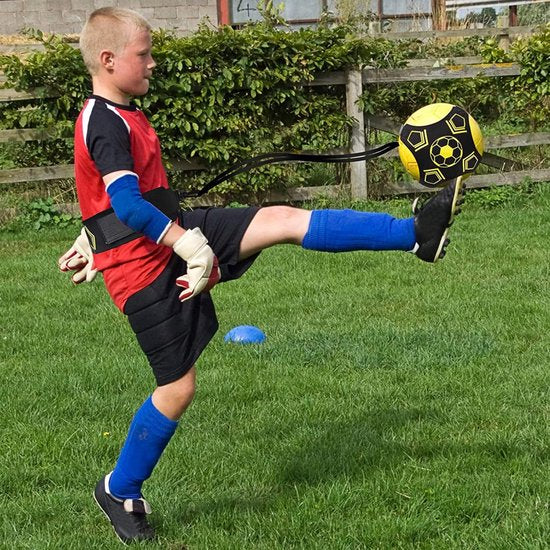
245, 334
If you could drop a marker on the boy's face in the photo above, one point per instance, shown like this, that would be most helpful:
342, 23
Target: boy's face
133, 67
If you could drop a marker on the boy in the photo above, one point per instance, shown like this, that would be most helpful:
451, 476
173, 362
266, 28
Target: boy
158, 263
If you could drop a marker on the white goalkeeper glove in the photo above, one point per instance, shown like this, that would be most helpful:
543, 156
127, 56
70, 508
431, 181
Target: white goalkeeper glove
79, 258
202, 265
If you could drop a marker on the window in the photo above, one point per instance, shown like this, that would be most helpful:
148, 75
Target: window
237, 12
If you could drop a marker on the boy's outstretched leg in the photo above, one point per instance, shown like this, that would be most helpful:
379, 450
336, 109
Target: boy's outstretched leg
425, 234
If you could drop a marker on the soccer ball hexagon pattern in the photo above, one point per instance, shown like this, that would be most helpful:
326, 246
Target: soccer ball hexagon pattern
446, 151
440, 142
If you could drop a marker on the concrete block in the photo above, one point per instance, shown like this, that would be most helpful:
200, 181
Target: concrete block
210, 12
10, 24
81, 5
191, 12
68, 16
43, 18
159, 3
66, 28
33, 21
166, 13
128, 4
11, 6
19, 19
74, 16
148, 13
43, 5
103, 4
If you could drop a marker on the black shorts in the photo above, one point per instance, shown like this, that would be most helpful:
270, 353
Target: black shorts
173, 334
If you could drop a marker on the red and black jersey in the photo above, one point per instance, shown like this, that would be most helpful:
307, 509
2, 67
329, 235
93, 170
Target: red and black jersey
111, 137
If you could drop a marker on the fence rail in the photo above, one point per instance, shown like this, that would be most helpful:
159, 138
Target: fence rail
353, 80
509, 33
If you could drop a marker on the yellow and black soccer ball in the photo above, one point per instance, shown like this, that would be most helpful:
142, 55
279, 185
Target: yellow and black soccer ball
440, 142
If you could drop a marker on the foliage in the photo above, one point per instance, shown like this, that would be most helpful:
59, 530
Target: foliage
487, 16
490, 100
221, 95
57, 75
493, 197
240, 93
40, 214
531, 90
534, 14
527, 95
505, 195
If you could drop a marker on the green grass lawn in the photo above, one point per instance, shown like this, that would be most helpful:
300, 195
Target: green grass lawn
395, 404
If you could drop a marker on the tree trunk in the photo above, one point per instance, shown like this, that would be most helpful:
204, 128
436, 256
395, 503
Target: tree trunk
439, 15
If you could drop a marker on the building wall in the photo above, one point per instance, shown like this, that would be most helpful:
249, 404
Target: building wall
68, 16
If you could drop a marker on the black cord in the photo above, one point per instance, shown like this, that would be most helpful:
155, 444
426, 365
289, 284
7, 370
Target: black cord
271, 158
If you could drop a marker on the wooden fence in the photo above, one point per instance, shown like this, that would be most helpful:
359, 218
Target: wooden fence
354, 81
507, 174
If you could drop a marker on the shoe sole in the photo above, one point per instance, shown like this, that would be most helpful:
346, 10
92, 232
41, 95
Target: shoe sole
459, 191
111, 523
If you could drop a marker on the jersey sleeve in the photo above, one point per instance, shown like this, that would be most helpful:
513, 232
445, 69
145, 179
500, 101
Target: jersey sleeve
108, 140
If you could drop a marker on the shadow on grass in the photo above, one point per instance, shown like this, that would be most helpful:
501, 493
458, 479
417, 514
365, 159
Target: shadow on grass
356, 449
351, 448
345, 448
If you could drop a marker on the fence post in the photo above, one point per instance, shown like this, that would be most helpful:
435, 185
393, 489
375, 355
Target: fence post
358, 170
504, 40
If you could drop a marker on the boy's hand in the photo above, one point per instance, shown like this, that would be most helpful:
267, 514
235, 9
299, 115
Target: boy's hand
79, 258
202, 265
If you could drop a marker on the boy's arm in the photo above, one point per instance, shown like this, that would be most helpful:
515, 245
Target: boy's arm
142, 216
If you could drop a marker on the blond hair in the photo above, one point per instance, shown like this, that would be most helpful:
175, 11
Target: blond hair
108, 29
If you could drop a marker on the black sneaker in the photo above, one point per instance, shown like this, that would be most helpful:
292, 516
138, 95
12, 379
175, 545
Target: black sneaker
128, 517
433, 219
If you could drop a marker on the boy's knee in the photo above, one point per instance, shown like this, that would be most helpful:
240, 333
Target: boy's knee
173, 399
183, 390
284, 214
291, 222
274, 225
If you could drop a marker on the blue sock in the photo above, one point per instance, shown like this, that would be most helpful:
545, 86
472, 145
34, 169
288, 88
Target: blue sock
147, 438
346, 230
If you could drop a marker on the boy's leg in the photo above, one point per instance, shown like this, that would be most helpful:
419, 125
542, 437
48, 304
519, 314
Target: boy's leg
346, 230
119, 493
151, 429
327, 230
274, 225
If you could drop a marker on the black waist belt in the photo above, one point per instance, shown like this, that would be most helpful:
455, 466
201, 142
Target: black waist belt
105, 231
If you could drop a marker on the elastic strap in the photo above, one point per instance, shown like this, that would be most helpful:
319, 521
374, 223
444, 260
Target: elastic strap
272, 158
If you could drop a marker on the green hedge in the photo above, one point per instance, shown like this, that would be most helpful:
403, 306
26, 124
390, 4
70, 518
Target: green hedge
221, 95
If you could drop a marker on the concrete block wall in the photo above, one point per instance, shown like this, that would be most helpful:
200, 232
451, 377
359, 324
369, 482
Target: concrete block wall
68, 16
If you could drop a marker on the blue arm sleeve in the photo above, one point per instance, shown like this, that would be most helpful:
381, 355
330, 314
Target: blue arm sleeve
134, 211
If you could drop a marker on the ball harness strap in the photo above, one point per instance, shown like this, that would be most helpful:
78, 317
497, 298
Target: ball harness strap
272, 158
105, 231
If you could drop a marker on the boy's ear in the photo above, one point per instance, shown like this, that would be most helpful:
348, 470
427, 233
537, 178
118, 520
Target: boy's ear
106, 58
